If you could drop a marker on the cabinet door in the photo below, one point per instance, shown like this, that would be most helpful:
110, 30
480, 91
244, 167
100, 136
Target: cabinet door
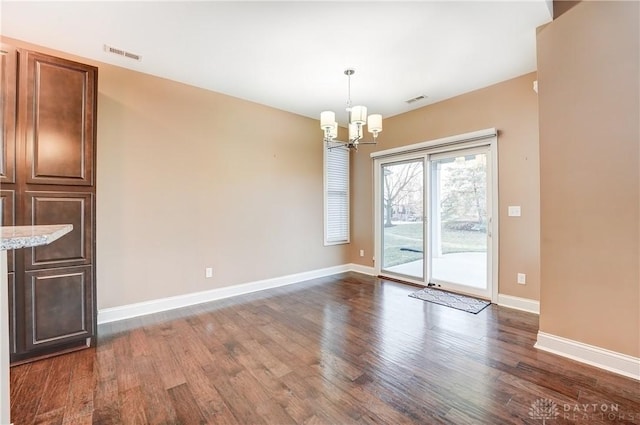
57, 115
74, 248
13, 311
8, 68
59, 306
8, 218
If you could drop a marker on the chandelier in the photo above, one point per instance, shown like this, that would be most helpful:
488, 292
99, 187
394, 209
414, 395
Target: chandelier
357, 120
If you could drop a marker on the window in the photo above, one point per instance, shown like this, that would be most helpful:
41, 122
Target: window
336, 196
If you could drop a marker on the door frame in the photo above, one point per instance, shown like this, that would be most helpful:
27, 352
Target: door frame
488, 138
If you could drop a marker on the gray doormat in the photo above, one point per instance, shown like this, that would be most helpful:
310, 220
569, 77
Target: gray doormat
449, 299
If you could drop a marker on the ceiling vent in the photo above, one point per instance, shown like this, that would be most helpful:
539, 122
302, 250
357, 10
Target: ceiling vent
416, 99
120, 52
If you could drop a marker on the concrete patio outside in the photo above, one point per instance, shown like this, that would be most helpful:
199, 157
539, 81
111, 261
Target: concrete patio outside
463, 268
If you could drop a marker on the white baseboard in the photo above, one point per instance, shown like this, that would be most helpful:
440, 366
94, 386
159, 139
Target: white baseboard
595, 356
113, 314
524, 304
163, 304
359, 268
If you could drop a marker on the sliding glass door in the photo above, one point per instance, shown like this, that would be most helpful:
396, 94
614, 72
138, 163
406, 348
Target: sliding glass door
458, 226
402, 218
434, 218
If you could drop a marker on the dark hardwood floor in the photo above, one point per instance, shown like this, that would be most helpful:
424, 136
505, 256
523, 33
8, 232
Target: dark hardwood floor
338, 350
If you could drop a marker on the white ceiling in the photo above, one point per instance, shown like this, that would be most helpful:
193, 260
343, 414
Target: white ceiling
291, 55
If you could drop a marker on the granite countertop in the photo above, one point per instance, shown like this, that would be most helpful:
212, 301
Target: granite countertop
14, 237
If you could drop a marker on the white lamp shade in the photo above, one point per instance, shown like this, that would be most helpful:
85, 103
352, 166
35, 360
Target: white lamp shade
374, 123
333, 131
355, 131
327, 119
359, 115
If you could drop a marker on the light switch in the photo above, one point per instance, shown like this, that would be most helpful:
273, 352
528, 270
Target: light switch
514, 211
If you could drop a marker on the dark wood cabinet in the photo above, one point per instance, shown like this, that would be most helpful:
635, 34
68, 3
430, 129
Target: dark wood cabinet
48, 177
76, 248
8, 69
61, 307
8, 217
57, 116
11, 281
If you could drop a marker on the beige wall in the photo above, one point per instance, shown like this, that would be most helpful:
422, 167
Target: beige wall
588, 69
189, 178
511, 107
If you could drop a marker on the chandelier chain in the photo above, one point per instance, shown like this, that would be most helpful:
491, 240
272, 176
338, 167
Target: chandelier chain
349, 72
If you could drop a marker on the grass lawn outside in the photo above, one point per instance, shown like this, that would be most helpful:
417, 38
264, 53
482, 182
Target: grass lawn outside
409, 236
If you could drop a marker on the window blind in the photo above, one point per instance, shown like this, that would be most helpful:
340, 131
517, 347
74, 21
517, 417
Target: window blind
336, 196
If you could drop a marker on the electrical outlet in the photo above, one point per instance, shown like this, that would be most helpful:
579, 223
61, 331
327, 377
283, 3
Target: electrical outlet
514, 211
208, 272
362, 252
522, 278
